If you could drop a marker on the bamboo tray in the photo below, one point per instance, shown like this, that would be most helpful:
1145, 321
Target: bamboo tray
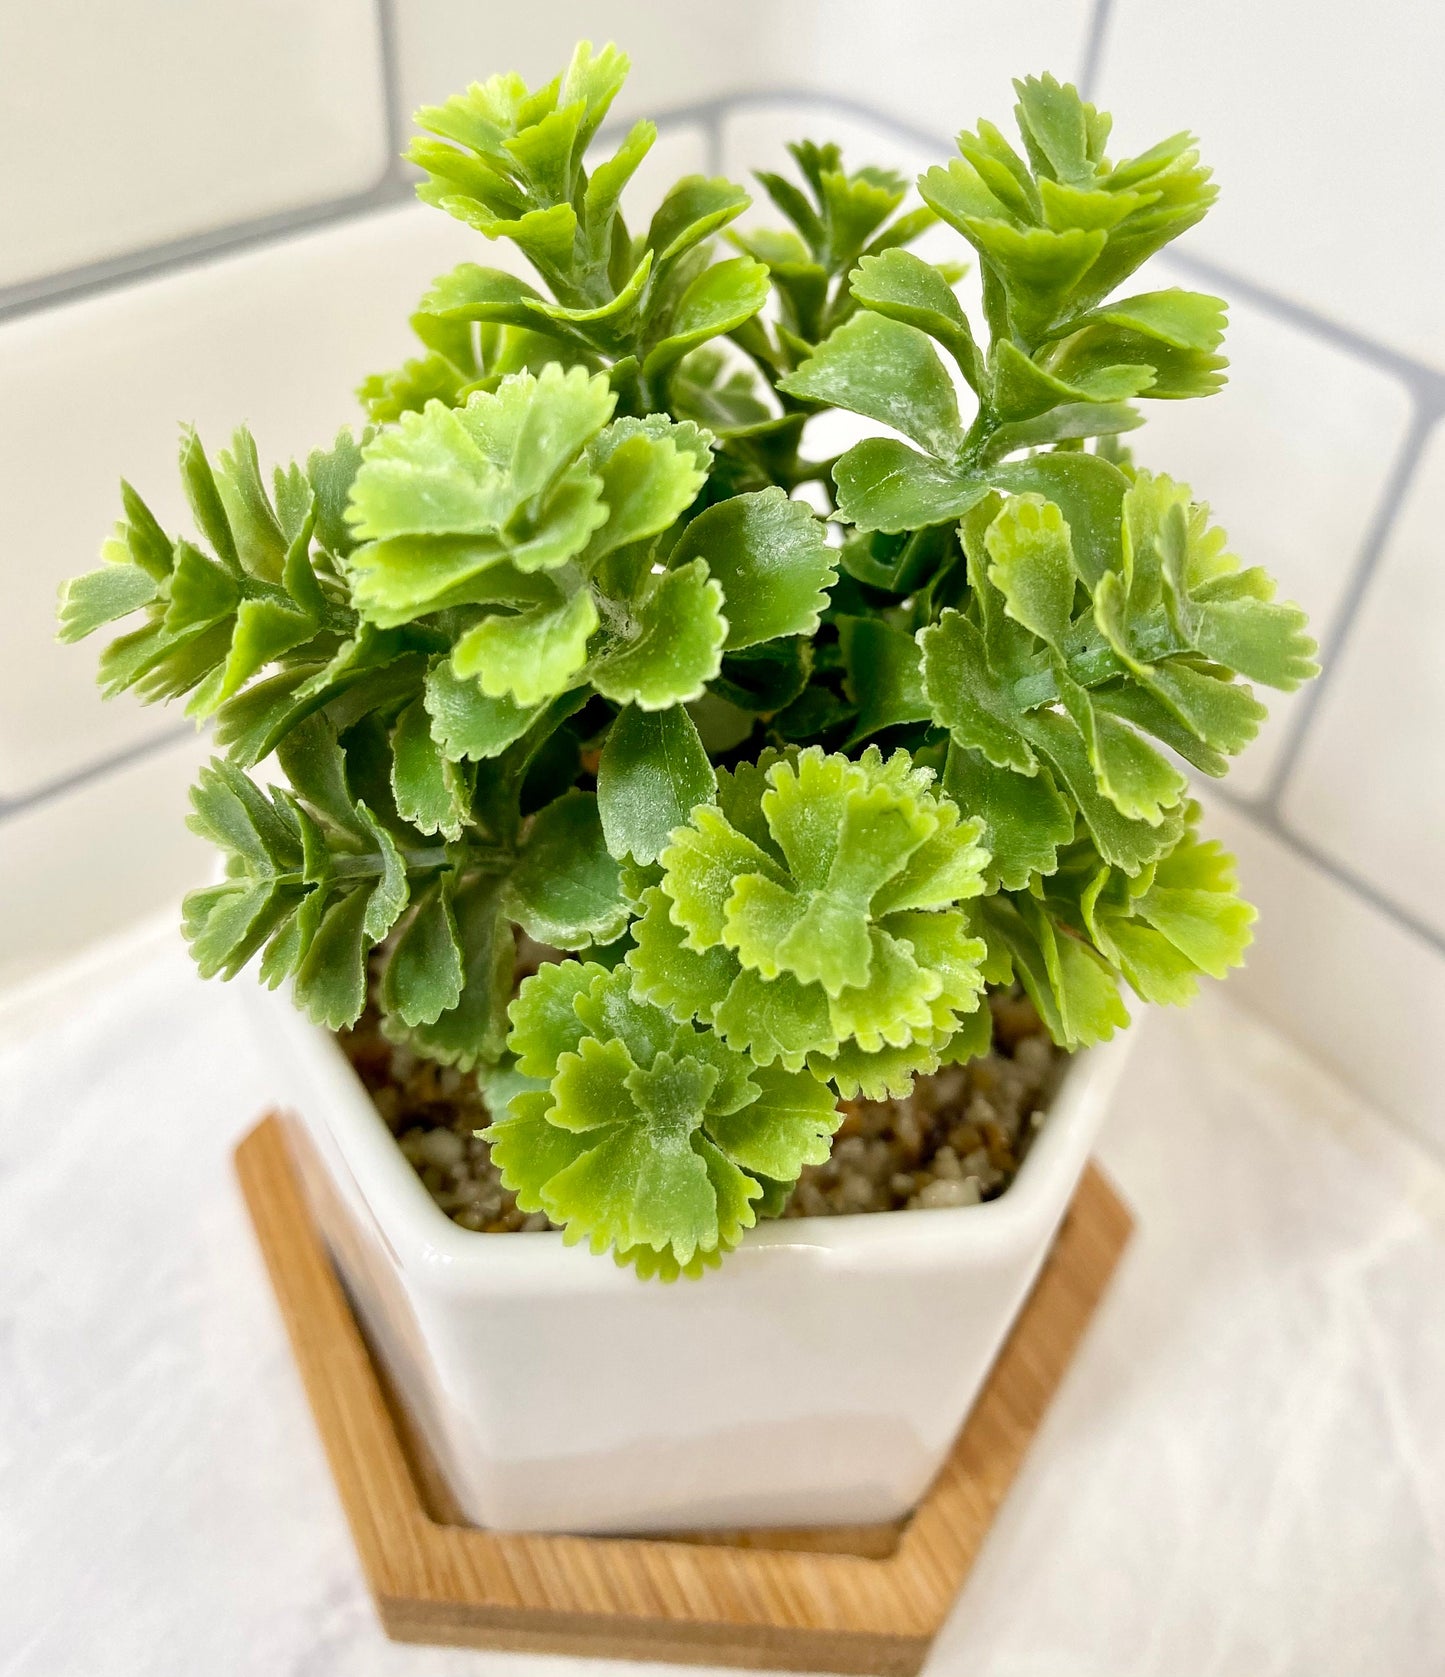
853, 1599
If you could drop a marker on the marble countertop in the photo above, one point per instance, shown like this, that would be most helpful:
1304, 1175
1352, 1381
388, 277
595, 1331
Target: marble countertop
1243, 1474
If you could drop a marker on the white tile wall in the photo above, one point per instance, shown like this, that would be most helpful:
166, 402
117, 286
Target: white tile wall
1293, 456
927, 63
1369, 788
89, 862
128, 124
1320, 118
95, 390
1360, 993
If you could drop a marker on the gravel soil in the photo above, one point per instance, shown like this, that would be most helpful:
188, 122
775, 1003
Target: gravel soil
958, 1138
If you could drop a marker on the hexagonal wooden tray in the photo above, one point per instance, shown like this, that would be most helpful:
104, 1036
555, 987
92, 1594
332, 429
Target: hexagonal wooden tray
856, 1599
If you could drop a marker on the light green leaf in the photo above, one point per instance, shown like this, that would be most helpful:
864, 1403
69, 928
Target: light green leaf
99, 597
528, 656
1033, 566
886, 371
674, 646
906, 288
790, 1124
650, 477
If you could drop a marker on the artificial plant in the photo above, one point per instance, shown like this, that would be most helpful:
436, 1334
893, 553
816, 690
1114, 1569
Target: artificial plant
556, 644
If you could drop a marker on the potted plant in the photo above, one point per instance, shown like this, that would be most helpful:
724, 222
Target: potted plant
668, 799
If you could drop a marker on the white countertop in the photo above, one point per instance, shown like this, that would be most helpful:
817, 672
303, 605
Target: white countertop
1244, 1473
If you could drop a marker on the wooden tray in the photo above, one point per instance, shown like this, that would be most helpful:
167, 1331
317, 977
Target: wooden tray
854, 1599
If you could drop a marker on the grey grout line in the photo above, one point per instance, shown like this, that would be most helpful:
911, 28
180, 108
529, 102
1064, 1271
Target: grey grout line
171, 256
98, 770
394, 114
712, 139
1094, 44
177, 255
1426, 383
1335, 639
1306, 850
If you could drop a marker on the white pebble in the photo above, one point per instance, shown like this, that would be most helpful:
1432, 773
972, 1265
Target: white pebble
942, 1194
443, 1148
946, 1166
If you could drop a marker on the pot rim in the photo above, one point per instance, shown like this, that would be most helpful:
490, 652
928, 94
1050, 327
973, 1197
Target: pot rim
421, 1235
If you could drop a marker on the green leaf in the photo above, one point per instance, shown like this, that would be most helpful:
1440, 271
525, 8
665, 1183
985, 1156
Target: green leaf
673, 646
566, 890
967, 696
693, 210
644, 1183
99, 597
885, 485
529, 1151
1033, 566
886, 371
1023, 390
449, 494
545, 1024
430, 791
474, 1030
1025, 818
652, 773
769, 554
465, 723
846, 843
719, 300
790, 1124
1069, 421
331, 980
905, 288
884, 675
651, 473
528, 656
423, 974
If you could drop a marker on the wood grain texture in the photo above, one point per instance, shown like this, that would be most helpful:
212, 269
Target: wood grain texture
858, 1599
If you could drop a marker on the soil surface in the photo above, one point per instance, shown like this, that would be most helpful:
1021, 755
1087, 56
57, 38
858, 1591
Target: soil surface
958, 1138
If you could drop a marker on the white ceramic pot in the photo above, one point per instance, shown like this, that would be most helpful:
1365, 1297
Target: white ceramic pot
818, 1377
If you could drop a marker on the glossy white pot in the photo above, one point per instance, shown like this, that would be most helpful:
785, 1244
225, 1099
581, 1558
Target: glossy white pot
818, 1377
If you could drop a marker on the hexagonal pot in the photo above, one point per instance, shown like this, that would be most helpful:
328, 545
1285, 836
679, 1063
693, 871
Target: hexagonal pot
819, 1377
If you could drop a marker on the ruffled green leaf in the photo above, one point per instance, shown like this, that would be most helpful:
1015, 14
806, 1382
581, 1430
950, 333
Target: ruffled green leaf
671, 648
847, 845
528, 656
465, 722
